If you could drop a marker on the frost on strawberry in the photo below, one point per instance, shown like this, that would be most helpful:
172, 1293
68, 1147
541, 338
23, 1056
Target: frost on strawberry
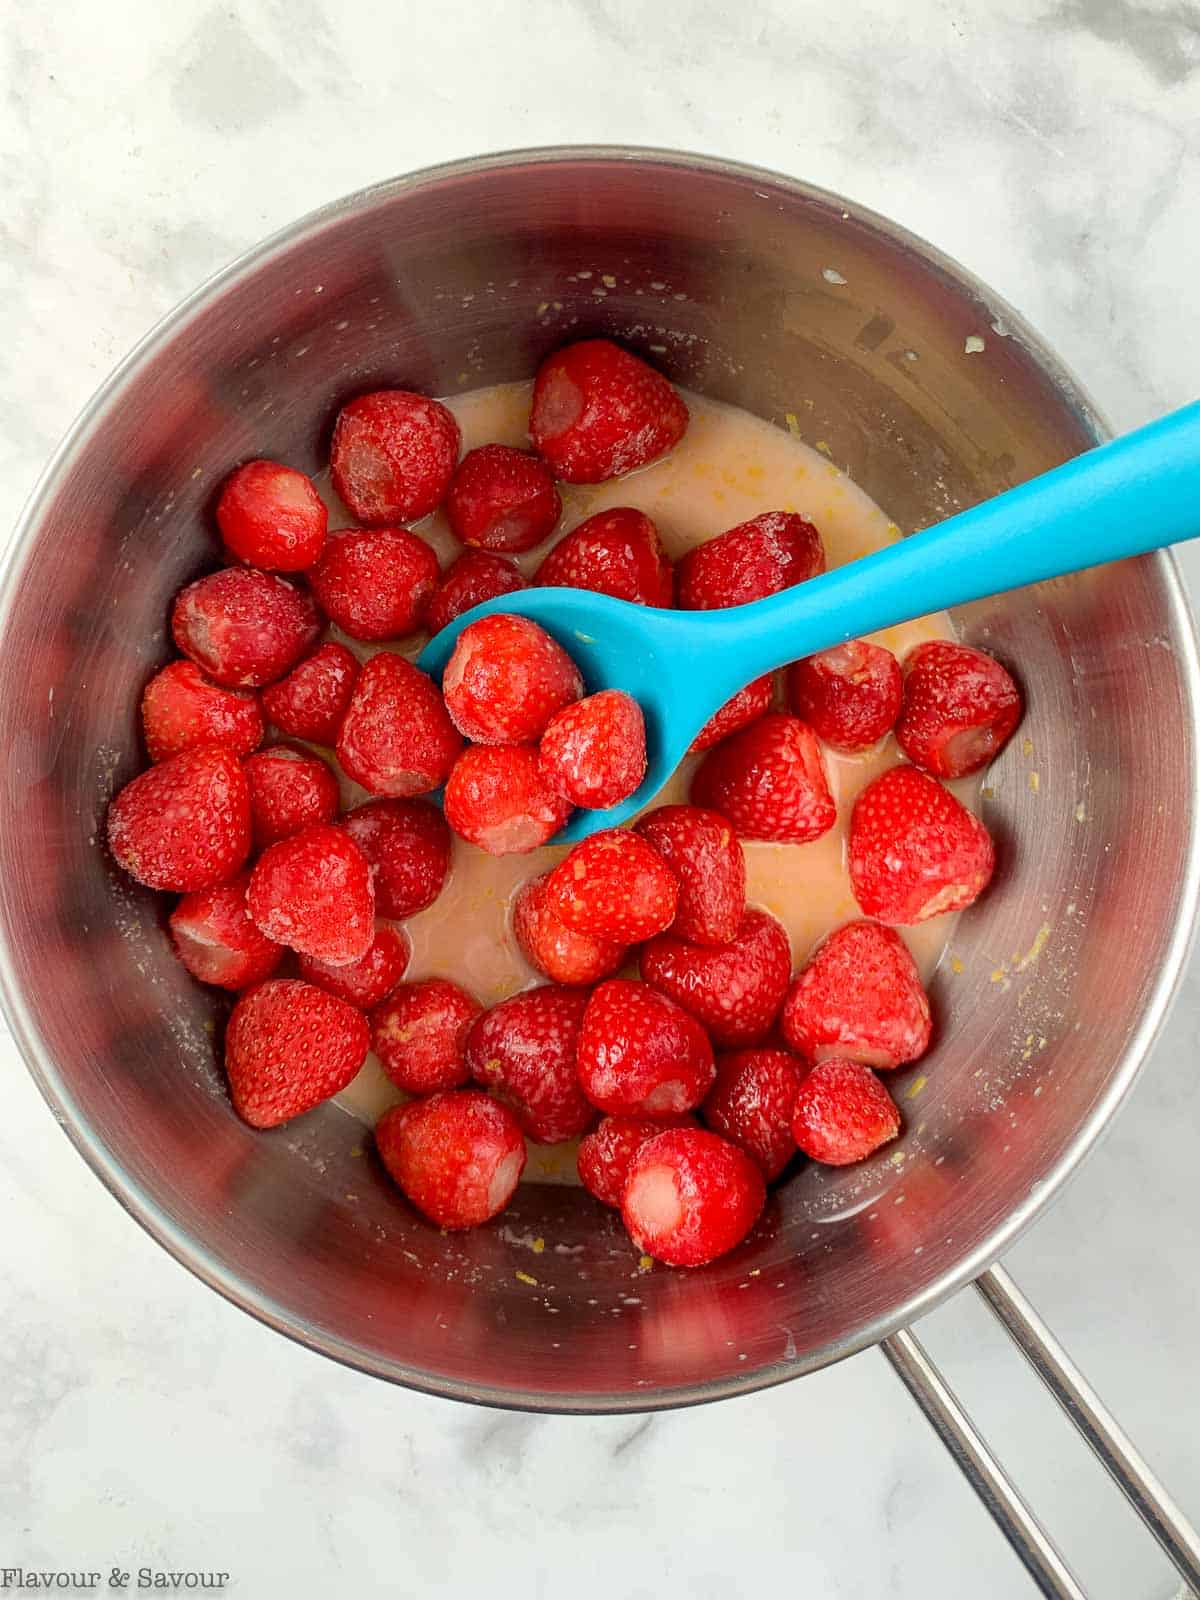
599, 412
420, 1035
860, 997
313, 892
915, 851
457, 1156
288, 1047
691, 1197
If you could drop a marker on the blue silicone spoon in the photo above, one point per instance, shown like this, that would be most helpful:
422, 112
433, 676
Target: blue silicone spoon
1135, 494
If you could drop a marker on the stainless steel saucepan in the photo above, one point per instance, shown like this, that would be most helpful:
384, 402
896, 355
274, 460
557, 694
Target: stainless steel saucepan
932, 394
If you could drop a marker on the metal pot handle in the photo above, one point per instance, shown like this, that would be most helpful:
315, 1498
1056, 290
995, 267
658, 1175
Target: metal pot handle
1053, 1577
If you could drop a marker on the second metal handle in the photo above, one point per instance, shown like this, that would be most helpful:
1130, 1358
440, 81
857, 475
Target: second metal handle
1107, 1440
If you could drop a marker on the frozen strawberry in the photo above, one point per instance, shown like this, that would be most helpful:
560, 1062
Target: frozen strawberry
606, 1154
475, 576
594, 751
523, 1050
599, 412
746, 706
288, 1047
914, 850
506, 678
859, 997
640, 1054
396, 737
769, 780
313, 893
244, 628
843, 1113
182, 708
420, 1035
311, 701
270, 516
751, 1103
849, 696
290, 789
496, 798
734, 989
757, 558
407, 846
392, 455
546, 942
709, 865
960, 707
370, 979
375, 583
615, 552
216, 940
614, 886
184, 824
502, 499
457, 1156
691, 1197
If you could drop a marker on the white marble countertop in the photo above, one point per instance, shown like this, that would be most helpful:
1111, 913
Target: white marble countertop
1054, 147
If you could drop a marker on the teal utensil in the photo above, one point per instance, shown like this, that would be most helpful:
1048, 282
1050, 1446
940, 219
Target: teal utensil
1137, 493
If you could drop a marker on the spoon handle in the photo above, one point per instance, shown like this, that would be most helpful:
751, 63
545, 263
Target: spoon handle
1137, 493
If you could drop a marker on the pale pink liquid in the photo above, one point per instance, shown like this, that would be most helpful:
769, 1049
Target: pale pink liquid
730, 466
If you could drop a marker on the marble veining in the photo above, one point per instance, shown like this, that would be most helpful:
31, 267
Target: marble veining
1051, 145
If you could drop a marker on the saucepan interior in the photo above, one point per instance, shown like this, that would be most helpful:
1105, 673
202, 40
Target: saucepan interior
756, 290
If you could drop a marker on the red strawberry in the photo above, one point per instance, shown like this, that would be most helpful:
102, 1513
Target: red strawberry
370, 979
288, 1047
271, 516
407, 846
244, 628
505, 679
392, 455
475, 576
751, 1103
396, 738
843, 1113
606, 1154
523, 1050
614, 886
960, 707
184, 824
746, 706
420, 1035
375, 583
546, 942
594, 751
640, 1054
311, 701
691, 1197
708, 863
615, 552
757, 558
496, 798
502, 499
914, 851
859, 997
289, 789
769, 780
599, 412
313, 893
457, 1157
849, 696
734, 989
182, 708
217, 942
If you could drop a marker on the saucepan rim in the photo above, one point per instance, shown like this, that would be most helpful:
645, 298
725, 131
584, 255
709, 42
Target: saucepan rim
188, 1249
